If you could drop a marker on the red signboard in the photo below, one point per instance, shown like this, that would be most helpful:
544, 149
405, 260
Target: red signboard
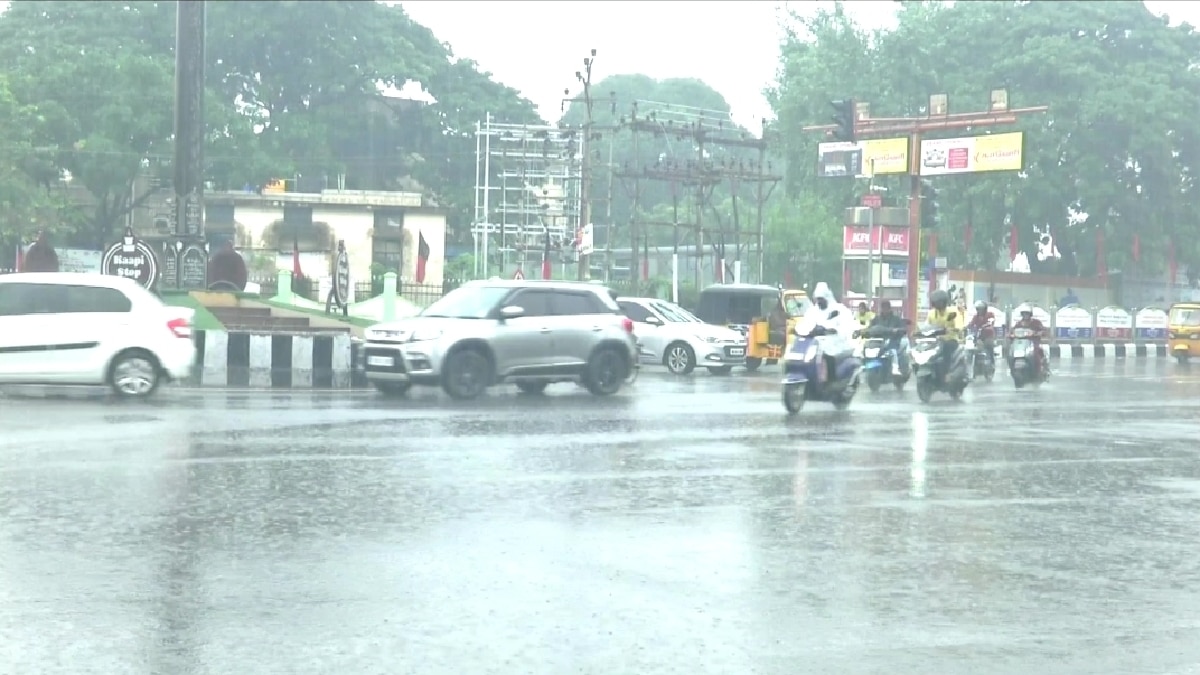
872, 201
888, 241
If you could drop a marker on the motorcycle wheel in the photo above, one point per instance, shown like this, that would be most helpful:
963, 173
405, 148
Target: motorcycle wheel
899, 384
955, 393
793, 398
991, 372
924, 389
1018, 379
874, 380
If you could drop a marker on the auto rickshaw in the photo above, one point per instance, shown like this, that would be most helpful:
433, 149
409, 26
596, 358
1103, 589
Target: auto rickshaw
1183, 330
766, 315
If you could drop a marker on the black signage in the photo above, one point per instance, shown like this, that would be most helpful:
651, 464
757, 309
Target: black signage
193, 214
193, 269
131, 258
170, 266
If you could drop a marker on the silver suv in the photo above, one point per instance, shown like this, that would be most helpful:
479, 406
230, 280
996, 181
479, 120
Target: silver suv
530, 333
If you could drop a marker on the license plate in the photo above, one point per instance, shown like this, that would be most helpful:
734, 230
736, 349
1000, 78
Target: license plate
381, 361
737, 352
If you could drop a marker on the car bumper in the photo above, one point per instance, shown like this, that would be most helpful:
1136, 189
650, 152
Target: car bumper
721, 355
387, 362
178, 359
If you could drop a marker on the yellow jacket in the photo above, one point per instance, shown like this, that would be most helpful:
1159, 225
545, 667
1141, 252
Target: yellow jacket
865, 318
942, 319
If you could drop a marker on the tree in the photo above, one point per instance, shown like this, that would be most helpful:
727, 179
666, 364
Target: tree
1120, 85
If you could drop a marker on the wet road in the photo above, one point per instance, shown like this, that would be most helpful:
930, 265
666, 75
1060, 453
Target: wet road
685, 527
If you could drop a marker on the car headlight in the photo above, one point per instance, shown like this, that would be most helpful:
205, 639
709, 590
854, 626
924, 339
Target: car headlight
424, 335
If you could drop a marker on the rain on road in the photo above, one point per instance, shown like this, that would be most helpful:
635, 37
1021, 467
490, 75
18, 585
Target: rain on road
684, 526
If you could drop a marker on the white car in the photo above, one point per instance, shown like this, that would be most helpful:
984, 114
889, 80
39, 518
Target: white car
91, 329
672, 336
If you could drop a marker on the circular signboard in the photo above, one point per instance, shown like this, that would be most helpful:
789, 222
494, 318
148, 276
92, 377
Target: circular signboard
341, 277
131, 258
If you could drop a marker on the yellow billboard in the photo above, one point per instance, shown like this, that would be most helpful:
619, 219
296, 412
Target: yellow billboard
884, 156
973, 154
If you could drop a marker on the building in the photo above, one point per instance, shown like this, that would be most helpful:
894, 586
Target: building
382, 229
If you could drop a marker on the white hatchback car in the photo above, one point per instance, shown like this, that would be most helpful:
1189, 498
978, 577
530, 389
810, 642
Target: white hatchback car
672, 336
91, 329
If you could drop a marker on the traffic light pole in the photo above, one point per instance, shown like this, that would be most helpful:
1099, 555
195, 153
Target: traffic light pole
915, 128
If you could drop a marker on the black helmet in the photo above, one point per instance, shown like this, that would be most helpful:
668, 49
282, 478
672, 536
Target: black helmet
939, 298
981, 307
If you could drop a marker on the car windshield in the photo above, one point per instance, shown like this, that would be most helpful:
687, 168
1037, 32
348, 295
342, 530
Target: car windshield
467, 302
1181, 316
796, 305
674, 313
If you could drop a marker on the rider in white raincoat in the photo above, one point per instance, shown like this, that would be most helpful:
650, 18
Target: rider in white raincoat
832, 315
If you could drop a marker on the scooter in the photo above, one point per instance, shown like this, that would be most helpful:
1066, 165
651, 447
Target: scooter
806, 376
881, 358
1022, 359
982, 361
924, 358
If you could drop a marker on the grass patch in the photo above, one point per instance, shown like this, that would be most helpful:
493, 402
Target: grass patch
203, 319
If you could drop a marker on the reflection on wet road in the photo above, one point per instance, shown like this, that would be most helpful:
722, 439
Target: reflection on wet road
684, 526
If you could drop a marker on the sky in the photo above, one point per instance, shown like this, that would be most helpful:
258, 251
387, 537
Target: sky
536, 46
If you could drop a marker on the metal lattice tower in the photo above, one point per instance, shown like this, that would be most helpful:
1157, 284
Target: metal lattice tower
527, 183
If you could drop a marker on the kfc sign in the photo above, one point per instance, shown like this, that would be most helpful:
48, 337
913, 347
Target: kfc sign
888, 241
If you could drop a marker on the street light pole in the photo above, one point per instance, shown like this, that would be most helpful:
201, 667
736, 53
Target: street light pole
189, 135
584, 77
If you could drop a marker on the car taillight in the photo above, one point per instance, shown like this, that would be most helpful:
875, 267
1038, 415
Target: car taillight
180, 327
627, 324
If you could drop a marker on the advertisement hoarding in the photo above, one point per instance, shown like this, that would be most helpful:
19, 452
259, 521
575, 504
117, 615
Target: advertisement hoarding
883, 156
890, 241
973, 154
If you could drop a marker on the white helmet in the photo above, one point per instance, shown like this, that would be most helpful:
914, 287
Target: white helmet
1025, 309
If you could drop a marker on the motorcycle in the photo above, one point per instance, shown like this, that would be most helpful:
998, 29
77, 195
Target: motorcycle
924, 358
1022, 359
881, 362
982, 360
806, 376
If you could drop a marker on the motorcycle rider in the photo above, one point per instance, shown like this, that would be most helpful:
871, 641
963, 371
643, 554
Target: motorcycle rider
1028, 321
941, 315
865, 315
834, 316
984, 325
888, 319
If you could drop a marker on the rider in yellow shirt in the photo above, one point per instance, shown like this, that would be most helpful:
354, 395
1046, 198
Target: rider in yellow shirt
941, 315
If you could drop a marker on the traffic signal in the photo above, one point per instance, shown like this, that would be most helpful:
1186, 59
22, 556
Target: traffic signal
843, 117
929, 205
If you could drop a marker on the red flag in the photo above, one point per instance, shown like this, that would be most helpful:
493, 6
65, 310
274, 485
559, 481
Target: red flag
932, 247
845, 279
422, 256
296, 272
1137, 248
1101, 263
787, 279
1013, 244
546, 257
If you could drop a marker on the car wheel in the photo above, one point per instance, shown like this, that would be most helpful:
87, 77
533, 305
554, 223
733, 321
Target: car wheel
134, 374
532, 387
466, 375
394, 389
606, 372
679, 358
752, 364
720, 370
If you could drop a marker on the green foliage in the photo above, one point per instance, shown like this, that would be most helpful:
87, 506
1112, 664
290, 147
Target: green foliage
1117, 143
293, 88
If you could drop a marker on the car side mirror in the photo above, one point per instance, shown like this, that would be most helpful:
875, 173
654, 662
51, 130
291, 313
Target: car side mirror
511, 312
652, 321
